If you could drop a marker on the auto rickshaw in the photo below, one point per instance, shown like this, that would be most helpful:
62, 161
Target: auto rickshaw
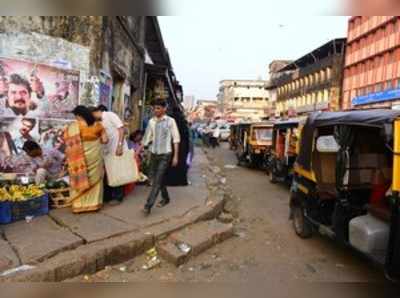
233, 138
255, 140
347, 182
284, 150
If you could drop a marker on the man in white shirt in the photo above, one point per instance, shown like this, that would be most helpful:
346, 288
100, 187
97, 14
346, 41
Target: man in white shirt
161, 134
116, 145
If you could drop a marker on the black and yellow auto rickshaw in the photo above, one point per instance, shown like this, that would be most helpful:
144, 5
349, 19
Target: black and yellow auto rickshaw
347, 182
255, 141
284, 150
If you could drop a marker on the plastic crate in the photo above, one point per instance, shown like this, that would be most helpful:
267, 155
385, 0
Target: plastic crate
34, 207
5, 213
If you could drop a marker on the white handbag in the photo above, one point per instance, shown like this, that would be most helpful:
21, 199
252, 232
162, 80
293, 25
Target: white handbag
121, 170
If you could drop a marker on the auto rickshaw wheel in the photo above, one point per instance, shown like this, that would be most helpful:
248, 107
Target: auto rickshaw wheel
300, 224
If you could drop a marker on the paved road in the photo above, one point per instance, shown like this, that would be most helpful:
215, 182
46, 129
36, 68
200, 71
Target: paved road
266, 248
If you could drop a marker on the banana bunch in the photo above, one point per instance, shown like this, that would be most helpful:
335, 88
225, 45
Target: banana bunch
19, 193
4, 195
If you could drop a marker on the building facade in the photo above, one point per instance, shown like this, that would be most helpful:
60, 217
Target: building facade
189, 102
312, 82
204, 110
372, 65
274, 74
244, 99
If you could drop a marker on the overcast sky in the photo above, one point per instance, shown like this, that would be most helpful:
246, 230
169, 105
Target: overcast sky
205, 50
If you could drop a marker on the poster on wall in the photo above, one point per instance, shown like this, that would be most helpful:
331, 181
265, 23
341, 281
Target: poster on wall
105, 89
36, 90
90, 94
14, 132
51, 134
127, 102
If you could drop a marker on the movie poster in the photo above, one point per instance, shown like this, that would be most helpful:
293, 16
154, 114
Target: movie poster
35, 104
14, 132
105, 89
36, 90
51, 134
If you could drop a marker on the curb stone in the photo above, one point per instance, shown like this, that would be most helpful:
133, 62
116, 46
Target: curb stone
93, 257
90, 258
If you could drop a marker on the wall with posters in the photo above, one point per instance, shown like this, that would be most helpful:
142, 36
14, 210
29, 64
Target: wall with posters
38, 89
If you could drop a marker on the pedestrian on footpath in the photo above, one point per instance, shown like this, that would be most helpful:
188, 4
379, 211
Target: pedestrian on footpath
215, 137
116, 145
161, 133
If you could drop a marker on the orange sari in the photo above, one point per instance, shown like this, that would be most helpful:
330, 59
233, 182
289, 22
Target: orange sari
87, 191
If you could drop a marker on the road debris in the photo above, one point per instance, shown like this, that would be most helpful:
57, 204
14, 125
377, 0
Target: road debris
225, 218
29, 219
152, 259
230, 167
17, 270
183, 247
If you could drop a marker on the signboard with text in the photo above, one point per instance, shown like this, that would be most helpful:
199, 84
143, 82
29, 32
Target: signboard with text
377, 97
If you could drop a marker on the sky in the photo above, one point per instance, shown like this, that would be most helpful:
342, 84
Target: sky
207, 49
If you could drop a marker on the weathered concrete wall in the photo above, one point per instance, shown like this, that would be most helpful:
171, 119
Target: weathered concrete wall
113, 46
83, 30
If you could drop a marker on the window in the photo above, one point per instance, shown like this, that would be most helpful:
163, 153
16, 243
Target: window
323, 76
378, 87
328, 73
388, 85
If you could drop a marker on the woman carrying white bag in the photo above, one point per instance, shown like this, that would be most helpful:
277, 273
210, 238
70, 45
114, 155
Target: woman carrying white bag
120, 164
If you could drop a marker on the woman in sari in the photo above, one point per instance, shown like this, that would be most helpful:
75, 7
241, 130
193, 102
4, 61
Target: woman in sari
84, 139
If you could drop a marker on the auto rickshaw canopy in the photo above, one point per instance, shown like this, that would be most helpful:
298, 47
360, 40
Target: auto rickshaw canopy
378, 118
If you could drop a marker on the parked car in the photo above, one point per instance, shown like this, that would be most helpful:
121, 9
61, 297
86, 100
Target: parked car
224, 132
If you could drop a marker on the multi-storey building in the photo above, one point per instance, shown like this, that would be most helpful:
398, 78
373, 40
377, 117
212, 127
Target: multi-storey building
372, 65
189, 102
274, 74
244, 99
313, 82
205, 110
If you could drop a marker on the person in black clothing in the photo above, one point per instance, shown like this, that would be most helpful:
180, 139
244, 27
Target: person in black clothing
177, 176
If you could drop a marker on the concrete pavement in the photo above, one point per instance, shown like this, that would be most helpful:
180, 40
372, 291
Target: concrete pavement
62, 245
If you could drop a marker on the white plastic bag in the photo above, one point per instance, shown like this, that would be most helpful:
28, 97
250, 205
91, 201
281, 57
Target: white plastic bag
121, 170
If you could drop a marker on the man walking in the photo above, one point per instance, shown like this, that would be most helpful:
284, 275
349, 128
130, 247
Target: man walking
116, 145
161, 133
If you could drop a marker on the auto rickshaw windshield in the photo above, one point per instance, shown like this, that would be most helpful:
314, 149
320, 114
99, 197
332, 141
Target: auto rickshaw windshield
262, 134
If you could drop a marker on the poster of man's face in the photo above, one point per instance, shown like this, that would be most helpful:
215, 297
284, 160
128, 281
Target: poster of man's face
37, 90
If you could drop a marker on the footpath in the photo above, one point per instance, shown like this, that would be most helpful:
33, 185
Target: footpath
63, 245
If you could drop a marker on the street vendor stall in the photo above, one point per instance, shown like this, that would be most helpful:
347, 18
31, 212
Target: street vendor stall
21, 199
